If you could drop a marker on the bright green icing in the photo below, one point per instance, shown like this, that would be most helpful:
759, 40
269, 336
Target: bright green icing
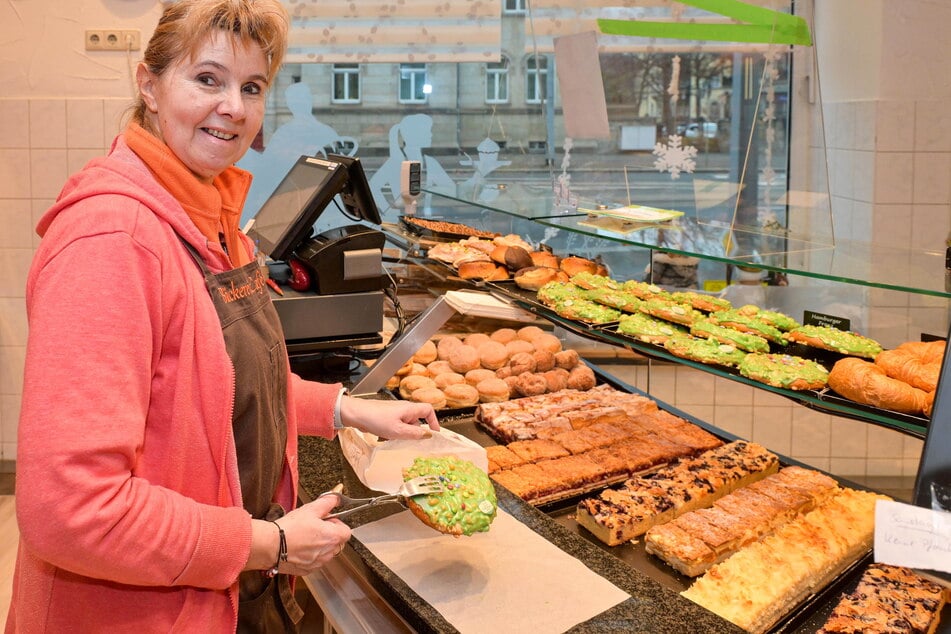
697, 300
704, 350
644, 290
735, 318
779, 320
622, 300
671, 311
782, 369
742, 340
467, 503
842, 341
553, 292
591, 280
647, 328
586, 310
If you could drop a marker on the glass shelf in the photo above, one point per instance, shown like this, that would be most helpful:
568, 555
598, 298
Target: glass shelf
851, 262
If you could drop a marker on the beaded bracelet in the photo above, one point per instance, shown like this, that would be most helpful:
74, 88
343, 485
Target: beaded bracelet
281, 553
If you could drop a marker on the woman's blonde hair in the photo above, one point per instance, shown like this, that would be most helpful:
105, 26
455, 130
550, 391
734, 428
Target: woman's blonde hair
186, 24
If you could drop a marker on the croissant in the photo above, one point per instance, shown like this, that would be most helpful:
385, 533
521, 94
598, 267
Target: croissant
865, 382
916, 363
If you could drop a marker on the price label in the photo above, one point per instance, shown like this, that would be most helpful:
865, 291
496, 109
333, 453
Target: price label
811, 318
912, 536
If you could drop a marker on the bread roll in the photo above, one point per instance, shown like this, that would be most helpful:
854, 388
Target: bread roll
432, 395
493, 355
533, 278
482, 271
463, 358
493, 390
572, 265
426, 353
865, 382
544, 258
413, 382
504, 335
461, 395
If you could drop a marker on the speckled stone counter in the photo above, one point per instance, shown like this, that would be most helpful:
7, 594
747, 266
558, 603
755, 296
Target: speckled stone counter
650, 608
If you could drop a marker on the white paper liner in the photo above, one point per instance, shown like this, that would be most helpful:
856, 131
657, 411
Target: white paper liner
379, 464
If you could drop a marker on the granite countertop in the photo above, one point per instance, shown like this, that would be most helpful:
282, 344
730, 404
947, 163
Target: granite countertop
650, 608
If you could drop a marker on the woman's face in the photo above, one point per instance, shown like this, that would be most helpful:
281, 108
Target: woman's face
208, 109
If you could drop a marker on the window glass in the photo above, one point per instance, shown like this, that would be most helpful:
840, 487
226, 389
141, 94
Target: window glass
536, 78
497, 82
346, 83
514, 6
412, 83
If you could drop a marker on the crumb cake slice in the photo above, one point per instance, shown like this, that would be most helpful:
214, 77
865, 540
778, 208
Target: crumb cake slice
761, 582
694, 541
618, 515
888, 599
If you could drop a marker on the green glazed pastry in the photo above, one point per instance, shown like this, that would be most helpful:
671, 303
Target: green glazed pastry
745, 323
780, 321
622, 300
707, 351
554, 292
743, 340
784, 370
829, 338
701, 301
671, 311
587, 311
467, 504
647, 329
592, 280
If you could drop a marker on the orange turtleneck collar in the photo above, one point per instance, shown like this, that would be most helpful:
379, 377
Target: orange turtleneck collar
214, 208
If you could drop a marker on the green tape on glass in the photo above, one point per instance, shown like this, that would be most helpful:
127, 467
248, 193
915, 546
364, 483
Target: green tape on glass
762, 26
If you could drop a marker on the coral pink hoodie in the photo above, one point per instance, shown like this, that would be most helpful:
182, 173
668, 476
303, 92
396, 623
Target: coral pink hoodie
128, 498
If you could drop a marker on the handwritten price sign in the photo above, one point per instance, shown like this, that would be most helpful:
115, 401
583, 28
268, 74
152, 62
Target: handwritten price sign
912, 536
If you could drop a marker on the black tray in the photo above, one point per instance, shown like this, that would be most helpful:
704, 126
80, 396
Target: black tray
425, 232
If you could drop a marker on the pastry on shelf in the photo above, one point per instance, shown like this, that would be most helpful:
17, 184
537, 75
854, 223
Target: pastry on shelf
829, 338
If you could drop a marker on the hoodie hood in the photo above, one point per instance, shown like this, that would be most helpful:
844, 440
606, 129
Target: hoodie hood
123, 173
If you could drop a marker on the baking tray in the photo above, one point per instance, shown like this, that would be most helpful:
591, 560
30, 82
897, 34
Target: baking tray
424, 232
807, 616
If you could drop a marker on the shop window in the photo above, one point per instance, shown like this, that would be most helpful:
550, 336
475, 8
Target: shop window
536, 78
346, 83
497, 81
413, 86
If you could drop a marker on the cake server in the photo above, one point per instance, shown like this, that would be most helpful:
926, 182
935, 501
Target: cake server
423, 485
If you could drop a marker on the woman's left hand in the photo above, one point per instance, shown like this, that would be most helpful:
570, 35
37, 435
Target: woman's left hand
389, 419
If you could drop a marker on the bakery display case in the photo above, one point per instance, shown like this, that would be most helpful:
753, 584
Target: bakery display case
818, 282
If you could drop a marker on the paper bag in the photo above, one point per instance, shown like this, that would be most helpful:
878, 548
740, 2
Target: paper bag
379, 463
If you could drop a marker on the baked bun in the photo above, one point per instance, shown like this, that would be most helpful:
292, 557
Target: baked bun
544, 258
531, 384
476, 339
533, 278
916, 363
519, 345
581, 377
528, 333
493, 390
432, 395
463, 358
413, 382
482, 271
426, 353
865, 382
445, 345
467, 503
474, 377
438, 367
461, 395
567, 359
517, 258
446, 379
544, 360
504, 335
548, 342
557, 379
493, 355
572, 265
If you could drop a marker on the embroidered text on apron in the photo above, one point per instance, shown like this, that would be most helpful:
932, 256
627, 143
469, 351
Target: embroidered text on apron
254, 341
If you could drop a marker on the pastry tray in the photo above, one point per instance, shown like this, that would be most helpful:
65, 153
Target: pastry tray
432, 234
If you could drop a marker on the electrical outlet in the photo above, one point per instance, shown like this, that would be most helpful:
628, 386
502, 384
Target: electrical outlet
113, 40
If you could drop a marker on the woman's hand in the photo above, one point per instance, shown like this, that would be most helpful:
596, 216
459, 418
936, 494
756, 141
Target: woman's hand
388, 419
311, 540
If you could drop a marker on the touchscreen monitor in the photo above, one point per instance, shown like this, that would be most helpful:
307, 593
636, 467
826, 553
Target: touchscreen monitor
288, 216
356, 194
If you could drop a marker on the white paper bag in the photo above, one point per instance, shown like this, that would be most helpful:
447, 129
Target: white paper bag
379, 464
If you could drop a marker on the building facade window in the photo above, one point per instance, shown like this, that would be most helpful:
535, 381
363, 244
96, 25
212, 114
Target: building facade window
514, 6
536, 78
413, 85
497, 81
346, 83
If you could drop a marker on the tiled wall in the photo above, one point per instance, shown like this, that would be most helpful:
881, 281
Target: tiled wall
41, 142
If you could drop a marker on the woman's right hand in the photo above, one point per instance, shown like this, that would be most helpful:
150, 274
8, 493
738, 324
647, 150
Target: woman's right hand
312, 541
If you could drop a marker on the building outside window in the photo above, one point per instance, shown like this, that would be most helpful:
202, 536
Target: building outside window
346, 83
514, 6
412, 83
536, 78
497, 81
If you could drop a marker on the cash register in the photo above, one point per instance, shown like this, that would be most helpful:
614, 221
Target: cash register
334, 296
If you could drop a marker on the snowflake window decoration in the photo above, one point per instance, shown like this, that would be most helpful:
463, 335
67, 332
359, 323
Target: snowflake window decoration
674, 157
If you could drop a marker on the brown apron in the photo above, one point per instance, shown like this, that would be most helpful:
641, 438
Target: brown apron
255, 342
